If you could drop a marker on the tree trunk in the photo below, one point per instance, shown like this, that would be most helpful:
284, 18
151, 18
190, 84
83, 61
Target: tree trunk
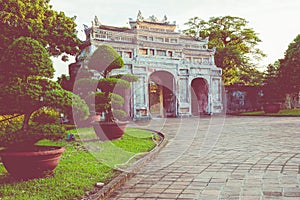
26, 120
288, 104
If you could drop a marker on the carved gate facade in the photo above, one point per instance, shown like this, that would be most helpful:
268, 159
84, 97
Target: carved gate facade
177, 73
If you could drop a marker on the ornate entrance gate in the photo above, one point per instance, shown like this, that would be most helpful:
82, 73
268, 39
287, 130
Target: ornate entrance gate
178, 69
199, 100
162, 97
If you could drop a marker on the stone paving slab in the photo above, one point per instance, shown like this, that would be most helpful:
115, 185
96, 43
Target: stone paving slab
243, 158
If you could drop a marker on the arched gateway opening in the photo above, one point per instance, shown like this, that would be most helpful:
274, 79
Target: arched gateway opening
199, 96
162, 99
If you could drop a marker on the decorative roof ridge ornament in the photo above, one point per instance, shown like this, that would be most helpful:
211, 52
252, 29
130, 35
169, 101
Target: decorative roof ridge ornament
165, 19
96, 21
140, 16
86, 27
152, 19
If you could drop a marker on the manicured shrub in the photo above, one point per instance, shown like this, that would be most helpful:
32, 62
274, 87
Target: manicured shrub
46, 116
119, 114
33, 134
27, 88
9, 122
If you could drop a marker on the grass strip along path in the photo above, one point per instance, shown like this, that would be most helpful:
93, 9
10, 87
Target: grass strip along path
81, 166
284, 113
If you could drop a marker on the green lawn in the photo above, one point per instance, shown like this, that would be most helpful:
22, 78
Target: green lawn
289, 112
80, 168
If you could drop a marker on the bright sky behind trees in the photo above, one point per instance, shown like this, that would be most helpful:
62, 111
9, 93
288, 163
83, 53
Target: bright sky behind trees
275, 21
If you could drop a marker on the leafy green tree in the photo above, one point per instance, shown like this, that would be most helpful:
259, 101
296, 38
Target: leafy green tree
108, 100
25, 57
36, 19
104, 60
26, 86
289, 70
272, 92
235, 43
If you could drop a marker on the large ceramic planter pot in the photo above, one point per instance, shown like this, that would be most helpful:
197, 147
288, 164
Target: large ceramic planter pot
271, 108
109, 130
30, 164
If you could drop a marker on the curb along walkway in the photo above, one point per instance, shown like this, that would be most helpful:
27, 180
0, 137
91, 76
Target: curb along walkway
221, 158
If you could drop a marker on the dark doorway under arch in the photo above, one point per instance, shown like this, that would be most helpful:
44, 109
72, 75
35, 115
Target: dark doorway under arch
162, 99
199, 89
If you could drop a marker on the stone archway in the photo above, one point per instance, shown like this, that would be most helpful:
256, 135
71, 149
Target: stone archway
199, 92
162, 98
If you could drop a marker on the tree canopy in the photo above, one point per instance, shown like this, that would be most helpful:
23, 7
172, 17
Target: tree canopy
235, 44
36, 19
105, 59
289, 70
26, 57
27, 87
272, 92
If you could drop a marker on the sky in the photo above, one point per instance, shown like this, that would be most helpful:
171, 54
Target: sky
276, 22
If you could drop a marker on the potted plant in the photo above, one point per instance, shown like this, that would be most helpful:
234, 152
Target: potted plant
105, 96
272, 96
26, 88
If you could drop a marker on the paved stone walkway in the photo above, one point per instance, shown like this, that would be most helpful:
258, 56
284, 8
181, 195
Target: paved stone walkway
228, 157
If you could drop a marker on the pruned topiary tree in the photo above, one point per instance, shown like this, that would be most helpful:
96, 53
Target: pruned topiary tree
104, 60
104, 96
26, 69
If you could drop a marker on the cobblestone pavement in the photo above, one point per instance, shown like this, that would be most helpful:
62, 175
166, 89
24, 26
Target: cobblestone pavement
245, 158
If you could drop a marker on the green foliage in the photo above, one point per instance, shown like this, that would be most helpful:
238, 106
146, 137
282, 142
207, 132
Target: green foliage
105, 59
78, 107
119, 114
46, 116
109, 84
25, 88
78, 169
36, 19
272, 87
117, 101
289, 70
23, 139
104, 102
249, 75
84, 86
235, 44
31, 32
12, 122
127, 77
282, 113
111, 104
26, 57
18, 96
65, 82
52, 132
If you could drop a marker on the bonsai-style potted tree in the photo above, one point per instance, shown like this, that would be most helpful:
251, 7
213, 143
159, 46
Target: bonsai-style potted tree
272, 96
104, 98
26, 69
